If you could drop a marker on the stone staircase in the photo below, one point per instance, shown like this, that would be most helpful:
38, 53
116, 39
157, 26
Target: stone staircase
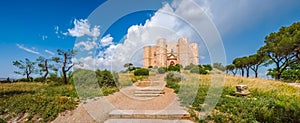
141, 116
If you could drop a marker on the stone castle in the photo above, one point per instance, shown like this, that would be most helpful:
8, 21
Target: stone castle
164, 53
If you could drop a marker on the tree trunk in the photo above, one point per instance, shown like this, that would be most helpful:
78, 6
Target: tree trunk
64, 70
46, 67
247, 71
242, 72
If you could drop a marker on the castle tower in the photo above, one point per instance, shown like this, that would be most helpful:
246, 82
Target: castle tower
194, 58
183, 52
161, 54
146, 59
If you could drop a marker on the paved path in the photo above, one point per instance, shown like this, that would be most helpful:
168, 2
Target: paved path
116, 107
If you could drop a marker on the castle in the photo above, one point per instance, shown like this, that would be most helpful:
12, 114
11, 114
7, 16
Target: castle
164, 53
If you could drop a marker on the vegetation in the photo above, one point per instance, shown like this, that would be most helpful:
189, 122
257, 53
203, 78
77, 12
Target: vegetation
26, 68
141, 72
35, 101
66, 62
265, 104
173, 78
281, 48
219, 66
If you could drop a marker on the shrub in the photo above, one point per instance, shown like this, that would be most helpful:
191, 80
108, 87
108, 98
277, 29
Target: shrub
162, 70
189, 67
174, 68
207, 67
198, 70
39, 79
141, 72
173, 78
105, 78
24, 80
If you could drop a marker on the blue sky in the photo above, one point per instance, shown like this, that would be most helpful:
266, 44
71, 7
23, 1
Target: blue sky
33, 28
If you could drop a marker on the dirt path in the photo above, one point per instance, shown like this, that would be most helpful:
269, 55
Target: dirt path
96, 110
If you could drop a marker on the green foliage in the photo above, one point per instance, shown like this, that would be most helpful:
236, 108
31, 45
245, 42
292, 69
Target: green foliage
39, 79
37, 100
189, 67
106, 78
25, 67
198, 70
219, 66
207, 67
141, 72
25, 80
174, 68
173, 78
282, 47
162, 70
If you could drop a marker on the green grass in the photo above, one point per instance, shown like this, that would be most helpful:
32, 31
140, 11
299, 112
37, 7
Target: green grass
270, 101
36, 100
41, 102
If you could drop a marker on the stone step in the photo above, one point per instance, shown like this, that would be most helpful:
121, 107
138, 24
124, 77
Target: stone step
150, 89
147, 95
146, 121
149, 92
149, 114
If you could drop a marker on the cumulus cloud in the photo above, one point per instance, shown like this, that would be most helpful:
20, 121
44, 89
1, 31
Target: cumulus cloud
50, 52
86, 45
106, 41
82, 28
30, 50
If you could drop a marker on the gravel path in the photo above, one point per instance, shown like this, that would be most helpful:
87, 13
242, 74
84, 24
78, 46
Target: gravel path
96, 110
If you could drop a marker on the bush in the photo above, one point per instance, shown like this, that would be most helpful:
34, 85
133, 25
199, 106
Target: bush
106, 78
173, 78
207, 67
174, 68
141, 72
24, 80
198, 70
39, 79
162, 70
189, 67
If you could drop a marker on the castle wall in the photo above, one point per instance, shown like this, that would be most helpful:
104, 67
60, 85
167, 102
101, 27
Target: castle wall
184, 52
194, 58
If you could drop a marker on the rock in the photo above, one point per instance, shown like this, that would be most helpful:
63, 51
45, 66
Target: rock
242, 90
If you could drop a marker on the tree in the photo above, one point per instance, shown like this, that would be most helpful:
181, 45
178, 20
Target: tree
255, 61
66, 62
26, 67
219, 66
282, 47
129, 66
239, 65
44, 67
232, 69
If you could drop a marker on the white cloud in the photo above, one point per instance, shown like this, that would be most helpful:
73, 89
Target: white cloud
49, 52
106, 41
86, 45
162, 25
56, 28
27, 49
82, 28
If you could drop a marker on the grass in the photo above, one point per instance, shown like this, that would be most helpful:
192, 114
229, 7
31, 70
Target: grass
32, 102
35, 101
127, 79
270, 101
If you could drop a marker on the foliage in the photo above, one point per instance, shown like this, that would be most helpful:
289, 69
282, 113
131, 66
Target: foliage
26, 67
174, 68
198, 70
90, 84
265, 104
106, 78
219, 66
162, 70
173, 78
141, 72
231, 68
66, 61
37, 100
282, 47
129, 67
189, 67
207, 67
39, 79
